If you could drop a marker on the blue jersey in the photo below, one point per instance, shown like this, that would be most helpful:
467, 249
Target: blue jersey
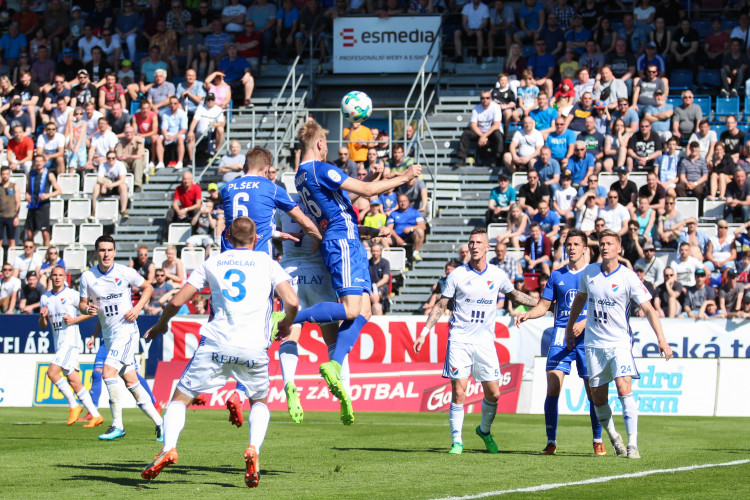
562, 288
319, 186
258, 198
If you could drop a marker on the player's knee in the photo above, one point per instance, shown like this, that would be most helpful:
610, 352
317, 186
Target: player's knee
458, 395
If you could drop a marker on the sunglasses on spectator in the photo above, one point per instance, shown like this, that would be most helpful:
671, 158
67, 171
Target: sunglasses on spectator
485, 98
7, 269
612, 197
111, 157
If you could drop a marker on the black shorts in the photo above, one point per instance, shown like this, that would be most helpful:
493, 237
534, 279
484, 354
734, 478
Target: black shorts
37, 219
7, 231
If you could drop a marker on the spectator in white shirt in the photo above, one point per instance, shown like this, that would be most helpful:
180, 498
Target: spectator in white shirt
475, 18
486, 127
112, 178
102, 143
27, 261
525, 146
51, 145
9, 287
207, 117
615, 216
231, 165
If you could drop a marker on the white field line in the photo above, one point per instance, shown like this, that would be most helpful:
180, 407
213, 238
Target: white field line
596, 480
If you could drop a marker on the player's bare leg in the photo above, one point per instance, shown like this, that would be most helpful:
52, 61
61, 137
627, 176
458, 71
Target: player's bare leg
456, 415
489, 410
604, 413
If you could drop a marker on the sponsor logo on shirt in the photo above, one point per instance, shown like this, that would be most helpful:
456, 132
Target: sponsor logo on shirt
118, 281
454, 372
491, 284
615, 287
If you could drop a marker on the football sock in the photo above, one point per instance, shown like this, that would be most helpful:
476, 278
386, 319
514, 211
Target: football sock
489, 410
596, 426
146, 388
550, 417
604, 415
324, 312
96, 386
115, 393
144, 403
174, 421
64, 387
630, 416
85, 398
288, 356
456, 417
258, 423
345, 376
347, 337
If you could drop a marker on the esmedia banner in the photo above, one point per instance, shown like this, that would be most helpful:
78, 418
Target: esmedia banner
391, 45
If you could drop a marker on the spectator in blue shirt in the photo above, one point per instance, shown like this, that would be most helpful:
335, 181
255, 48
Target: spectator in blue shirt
544, 115
630, 31
217, 41
650, 58
542, 65
660, 115
548, 169
287, 25
530, 20
12, 43
408, 226
592, 186
548, 220
237, 74
581, 164
628, 115
174, 126
560, 142
501, 198
576, 38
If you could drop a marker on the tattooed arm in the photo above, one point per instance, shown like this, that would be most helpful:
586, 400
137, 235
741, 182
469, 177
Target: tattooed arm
433, 318
522, 298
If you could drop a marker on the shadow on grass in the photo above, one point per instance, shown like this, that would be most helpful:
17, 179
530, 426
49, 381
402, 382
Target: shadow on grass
445, 451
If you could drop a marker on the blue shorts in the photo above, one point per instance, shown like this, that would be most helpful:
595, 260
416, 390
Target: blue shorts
560, 358
101, 355
347, 262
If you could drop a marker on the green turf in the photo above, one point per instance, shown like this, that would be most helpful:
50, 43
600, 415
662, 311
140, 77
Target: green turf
383, 455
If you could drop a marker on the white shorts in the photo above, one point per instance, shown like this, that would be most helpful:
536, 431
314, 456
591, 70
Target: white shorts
312, 284
121, 351
212, 365
66, 357
608, 363
477, 360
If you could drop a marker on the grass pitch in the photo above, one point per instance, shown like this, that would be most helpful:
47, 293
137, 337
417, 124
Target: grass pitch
383, 455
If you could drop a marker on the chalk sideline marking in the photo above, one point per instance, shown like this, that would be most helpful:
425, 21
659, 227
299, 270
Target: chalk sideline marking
552, 486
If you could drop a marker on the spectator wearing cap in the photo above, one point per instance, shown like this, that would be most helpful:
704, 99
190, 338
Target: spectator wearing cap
209, 118
191, 92
737, 206
723, 254
83, 91
626, 189
69, 66
731, 293
408, 226
581, 164
215, 196
660, 115
644, 148
501, 197
650, 57
524, 148
12, 43
686, 120
130, 150
126, 75
653, 267
237, 75
74, 26
697, 294
693, 173
375, 217
231, 164
18, 117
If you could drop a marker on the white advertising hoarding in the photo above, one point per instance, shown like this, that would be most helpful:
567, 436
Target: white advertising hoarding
390, 45
732, 398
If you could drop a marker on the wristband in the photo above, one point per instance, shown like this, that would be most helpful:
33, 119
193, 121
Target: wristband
276, 234
425, 331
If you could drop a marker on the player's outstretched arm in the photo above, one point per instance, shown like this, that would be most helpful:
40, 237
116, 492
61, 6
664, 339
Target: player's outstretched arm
575, 311
537, 311
432, 319
653, 318
186, 293
521, 298
305, 223
371, 189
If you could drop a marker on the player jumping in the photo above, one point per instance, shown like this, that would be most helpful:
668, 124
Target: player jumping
234, 342
609, 288
324, 189
105, 291
59, 309
471, 340
561, 289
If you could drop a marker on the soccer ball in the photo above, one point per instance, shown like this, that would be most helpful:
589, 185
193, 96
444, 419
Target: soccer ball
356, 106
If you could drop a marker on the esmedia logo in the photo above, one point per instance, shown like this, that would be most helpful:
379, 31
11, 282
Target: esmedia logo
415, 35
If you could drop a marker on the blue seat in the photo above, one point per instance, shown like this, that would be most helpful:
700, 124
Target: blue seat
704, 101
718, 128
703, 27
744, 127
674, 101
528, 51
726, 106
681, 79
709, 78
135, 106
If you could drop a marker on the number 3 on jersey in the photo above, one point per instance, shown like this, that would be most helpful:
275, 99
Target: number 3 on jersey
310, 204
238, 284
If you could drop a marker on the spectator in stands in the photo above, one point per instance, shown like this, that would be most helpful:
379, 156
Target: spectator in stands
203, 229
580, 165
98, 66
563, 201
111, 179
30, 295
611, 89
43, 69
189, 45
91, 117
633, 243
160, 92
738, 197
544, 115
733, 138
191, 92
686, 266
486, 127
117, 119
626, 189
622, 61
380, 276
263, 15
161, 291
20, 150
593, 59
415, 190
238, 76
359, 139
669, 224
501, 198
173, 267
644, 148
9, 288
232, 16
110, 49
51, 146
577, 36
26, 262
17, 116
187, 200
87, 42
231, 164
653, 192
399, 162
146, 126
84, 91
130, 151
542, 65
506, 262
52, 259
561, 142
697, 294
693, 173
615, 215
519, 227
10, 205
504, 97
628, 116
650, 57
660, 115
553, 35
667, 165
685, 45
686, 118
592, 187
525, 147
28, 91
645, 89
126, 26
174, 129
548, 221
41, 186
632, 33
706, 138
55, 22
12, 44
548, 169
734, 66
149, 67
475, 18
653, 267
110, 93
208, 120
537, 254
502, 25
594, 141
437, 289
731, 293
723, 254
668, 294
102, 142
143, 264
700, 243
532, 193
530, 21
408, 226
287, 26
526, 94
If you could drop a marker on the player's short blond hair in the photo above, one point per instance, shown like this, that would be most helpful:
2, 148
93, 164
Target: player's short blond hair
242, 232
609, 232
309, 134
257, 158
